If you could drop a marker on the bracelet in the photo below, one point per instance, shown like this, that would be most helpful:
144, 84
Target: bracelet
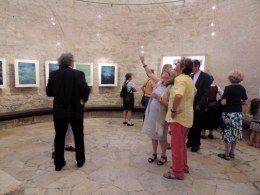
173, 111
144, 66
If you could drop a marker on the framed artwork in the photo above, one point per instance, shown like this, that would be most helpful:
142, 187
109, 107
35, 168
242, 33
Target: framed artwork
50, 66
200, 58
26, 73
173, 59
107, 74
87, 68
2, 73
170, 60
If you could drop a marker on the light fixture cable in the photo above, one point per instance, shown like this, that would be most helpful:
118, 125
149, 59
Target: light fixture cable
128, 4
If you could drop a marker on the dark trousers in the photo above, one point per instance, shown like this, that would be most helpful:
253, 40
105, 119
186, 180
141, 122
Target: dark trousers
195, 131
61, 126
146, 100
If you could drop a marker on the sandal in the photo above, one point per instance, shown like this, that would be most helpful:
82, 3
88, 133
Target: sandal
150, 160
160, 162
223, 156
185, 171
170, 175
231, 155
169, 147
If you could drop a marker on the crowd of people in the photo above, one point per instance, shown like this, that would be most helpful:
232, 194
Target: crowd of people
183, 99
189, 105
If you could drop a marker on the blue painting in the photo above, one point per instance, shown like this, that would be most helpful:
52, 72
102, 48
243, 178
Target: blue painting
27, 73
108, 75
1, 73
53, 67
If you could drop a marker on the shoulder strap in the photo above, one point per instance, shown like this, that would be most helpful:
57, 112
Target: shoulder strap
147, 82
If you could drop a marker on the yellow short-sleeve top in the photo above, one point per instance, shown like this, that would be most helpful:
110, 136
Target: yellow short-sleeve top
184, 86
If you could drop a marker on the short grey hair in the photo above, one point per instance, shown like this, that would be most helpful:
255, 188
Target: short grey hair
66, 59
235, 76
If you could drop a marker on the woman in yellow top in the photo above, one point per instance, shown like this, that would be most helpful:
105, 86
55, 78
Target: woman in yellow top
147, 89
180, 117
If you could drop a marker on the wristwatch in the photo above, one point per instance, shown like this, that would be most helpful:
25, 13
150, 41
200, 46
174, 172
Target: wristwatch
173, 111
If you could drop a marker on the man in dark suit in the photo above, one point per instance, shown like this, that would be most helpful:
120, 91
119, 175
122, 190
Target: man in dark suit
70, 91
202, 83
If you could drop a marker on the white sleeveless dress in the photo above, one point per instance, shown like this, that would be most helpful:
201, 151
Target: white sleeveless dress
155, 125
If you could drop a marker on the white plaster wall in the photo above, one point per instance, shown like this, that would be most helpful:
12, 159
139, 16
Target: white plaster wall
171, 29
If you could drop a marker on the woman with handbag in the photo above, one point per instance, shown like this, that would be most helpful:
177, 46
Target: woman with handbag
155, 125
128, 101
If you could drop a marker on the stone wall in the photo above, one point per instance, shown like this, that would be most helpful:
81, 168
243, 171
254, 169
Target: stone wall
164, 30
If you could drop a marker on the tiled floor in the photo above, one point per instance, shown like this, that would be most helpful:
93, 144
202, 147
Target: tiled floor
117, 163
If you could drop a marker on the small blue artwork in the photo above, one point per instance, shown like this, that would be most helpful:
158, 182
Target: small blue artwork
53, 67
27, 73
108, 75
50, 66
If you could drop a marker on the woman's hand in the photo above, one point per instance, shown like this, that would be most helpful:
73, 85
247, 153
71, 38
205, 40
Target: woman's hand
156, 96
173, 115
142, 59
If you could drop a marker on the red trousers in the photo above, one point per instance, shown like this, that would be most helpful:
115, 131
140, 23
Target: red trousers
179, 149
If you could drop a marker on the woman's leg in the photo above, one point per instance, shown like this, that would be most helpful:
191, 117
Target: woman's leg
251, 138
154, 156
227, 148
68, 138
163, 144
124, 115
211, 132
258, 139
233, 147
210, 135
163, 159
155, 145
129, 115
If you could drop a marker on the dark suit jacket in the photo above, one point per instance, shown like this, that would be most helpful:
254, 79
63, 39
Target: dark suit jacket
70, 91
203, 86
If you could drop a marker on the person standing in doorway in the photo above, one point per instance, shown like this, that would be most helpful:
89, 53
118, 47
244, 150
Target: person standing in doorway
70, 91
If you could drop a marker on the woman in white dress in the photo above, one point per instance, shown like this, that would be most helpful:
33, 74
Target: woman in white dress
155, 125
